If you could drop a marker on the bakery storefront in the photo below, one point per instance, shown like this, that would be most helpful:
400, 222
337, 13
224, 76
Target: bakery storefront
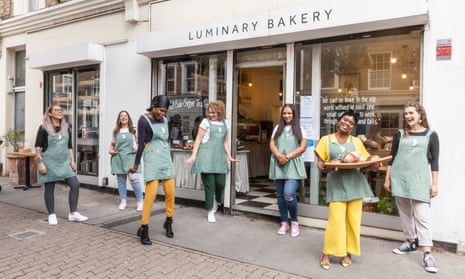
316, 55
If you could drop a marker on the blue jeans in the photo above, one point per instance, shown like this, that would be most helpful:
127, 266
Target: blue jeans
287, 201
136, 186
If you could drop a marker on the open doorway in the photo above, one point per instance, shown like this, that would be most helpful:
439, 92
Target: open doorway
260, 97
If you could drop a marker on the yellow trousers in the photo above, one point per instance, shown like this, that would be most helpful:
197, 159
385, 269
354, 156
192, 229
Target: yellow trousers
342, 235
151, 189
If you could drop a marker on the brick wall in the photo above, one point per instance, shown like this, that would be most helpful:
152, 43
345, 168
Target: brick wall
6, 9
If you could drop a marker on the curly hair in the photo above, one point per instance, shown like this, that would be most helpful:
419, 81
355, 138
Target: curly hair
218, 107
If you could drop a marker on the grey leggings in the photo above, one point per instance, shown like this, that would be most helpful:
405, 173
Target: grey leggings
49, 194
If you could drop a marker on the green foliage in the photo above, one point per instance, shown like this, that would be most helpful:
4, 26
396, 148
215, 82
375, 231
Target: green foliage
386, 206
13, 137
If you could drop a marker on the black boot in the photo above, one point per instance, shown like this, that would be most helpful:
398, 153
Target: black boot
143, 232
168, 228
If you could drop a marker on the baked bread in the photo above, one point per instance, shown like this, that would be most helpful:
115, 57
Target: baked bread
351, 157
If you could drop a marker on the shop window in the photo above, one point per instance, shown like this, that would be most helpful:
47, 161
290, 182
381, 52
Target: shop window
171, 79
20, 70
374, 76
329, 80
380, 72
390, 123
189, 81
189, 77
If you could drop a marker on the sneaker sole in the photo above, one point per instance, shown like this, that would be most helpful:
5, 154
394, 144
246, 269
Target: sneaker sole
398, 252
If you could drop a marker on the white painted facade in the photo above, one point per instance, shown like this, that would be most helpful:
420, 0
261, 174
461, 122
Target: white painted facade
166, 28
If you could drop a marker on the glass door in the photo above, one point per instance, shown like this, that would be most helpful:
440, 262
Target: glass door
87, 120
60, 87
77, 92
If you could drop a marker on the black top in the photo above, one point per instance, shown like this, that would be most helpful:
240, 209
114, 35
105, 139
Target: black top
433, 147
42, 138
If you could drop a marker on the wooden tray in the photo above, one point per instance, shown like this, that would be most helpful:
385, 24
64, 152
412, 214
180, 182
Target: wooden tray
364, 164
357, 165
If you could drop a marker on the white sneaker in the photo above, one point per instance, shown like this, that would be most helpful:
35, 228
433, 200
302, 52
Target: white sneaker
52, 219
140, 205
211, 216
122, 205
77, 217
215, 206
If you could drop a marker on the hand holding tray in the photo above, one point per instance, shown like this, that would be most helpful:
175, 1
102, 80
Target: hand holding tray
361, 164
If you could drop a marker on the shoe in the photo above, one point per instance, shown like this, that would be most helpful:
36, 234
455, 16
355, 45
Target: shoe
324, 264
52, 219
284, 228
346, 261
428, 263
211, 216
406, 247
143, 232
216, 205
122, 205
168, 227
77, 217
295, 231
140, 205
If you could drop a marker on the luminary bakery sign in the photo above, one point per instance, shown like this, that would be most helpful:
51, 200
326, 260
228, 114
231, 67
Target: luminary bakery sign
262, 25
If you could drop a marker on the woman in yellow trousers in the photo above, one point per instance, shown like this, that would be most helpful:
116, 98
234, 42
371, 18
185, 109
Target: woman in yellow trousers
345, 191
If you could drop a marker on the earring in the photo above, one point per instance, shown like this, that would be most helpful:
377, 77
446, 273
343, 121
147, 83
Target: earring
420, 121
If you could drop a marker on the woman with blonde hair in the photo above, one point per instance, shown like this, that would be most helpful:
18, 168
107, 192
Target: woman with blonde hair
55, 162
210, 154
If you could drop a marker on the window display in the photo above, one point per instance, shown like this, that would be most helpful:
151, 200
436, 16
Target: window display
374, 76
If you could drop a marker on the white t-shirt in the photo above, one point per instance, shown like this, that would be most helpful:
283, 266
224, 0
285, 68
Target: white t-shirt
287, 128
125, 130
205, 124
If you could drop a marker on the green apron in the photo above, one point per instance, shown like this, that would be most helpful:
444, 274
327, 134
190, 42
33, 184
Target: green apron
123, 161
346, 184
157, 154
295, 168
211, 157
410, 171
56, 159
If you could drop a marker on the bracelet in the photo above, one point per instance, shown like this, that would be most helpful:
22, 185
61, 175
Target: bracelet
39, 160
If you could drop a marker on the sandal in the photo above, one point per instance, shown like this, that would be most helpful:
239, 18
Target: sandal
346, 261
324, 264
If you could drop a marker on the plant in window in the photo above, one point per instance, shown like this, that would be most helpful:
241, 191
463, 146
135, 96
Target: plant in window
385, 205
14, 138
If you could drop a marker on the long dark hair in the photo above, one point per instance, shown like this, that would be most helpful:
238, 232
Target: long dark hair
131, 128
295, 124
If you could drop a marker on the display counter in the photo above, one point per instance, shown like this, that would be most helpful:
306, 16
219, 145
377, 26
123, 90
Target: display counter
186, 180
259, 158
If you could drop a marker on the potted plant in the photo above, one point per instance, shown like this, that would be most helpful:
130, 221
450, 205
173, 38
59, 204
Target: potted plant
385, 205
14, 138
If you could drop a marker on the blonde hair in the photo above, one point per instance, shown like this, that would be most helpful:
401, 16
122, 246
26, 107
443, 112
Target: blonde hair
218, 107
47, 123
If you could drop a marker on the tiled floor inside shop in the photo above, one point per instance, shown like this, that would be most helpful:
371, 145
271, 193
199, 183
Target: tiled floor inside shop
262, 194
